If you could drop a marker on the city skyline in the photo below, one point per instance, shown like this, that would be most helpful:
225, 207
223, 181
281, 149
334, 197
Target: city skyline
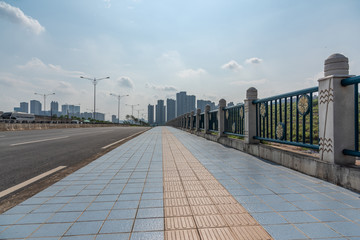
152, 50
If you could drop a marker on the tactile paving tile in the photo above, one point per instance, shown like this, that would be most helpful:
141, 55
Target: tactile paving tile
250, 233
177, 211
216, 234
209, 221
191, 234
176, 223
203, 204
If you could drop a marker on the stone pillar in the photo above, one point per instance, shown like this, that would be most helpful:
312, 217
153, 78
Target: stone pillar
250, 116
206, 118
192, 120
221, 118
336, 112
197, 126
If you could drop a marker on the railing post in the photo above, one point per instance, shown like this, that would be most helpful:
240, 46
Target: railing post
197, 127
250, 116
191, 120
206, 119
336, 112
221, 118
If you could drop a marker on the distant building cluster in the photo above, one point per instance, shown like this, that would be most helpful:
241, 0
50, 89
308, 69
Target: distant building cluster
67, 110
184, 103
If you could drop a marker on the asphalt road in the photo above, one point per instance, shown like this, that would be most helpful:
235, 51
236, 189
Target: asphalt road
26, 154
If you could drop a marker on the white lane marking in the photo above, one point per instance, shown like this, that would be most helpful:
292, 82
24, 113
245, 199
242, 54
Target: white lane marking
36, 141
119, 141
30, 181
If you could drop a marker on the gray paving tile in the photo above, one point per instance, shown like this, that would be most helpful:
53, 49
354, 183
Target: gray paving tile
150, 213
117, 236
95, 206
132, 197
9, 219
149, 224
64, 217
35, 218
284, 232
93, 215
153, 203
52, 230
117, 226
122, 214
85, 228
269, 218
147, 235
317, 230
298, 217
19, 231
126, 204
347, 229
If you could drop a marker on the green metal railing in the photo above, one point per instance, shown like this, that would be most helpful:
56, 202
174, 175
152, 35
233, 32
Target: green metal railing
213, 121
290, 118
234, 120
346, 82
201, 122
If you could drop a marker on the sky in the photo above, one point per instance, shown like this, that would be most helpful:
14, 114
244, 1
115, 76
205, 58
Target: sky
153, 49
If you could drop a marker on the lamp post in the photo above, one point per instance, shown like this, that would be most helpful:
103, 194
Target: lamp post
94, 81
138, 110
132, 108
118, 97
44, 95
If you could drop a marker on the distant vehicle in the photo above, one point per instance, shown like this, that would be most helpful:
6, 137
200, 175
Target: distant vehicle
75, 121
18, 117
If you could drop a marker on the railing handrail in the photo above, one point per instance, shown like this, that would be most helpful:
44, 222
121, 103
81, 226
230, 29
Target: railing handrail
238, 105
215, 110
350, 81
285, 95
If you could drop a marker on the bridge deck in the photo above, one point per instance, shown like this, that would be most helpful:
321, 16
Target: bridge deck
168, 184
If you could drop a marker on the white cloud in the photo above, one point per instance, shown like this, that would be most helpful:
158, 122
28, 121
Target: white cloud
160, 88
252, 82
125, 82
38, 66
253, 60
108, 3
191, 73
232, 65
17, 16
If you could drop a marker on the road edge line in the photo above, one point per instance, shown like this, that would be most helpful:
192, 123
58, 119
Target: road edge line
123, 139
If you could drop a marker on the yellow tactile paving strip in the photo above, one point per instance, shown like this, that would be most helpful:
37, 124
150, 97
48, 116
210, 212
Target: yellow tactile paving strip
196, 205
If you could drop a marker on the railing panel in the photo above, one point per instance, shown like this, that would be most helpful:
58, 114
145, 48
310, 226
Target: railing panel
235, 120
213, 121
201, 122
291, 118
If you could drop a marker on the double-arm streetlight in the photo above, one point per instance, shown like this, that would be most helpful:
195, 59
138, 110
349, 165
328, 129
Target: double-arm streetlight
44, 95
132, 108
94, 81
118, 97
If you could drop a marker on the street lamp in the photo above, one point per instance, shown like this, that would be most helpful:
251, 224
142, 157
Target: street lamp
44, 95
132, 108
138, 110
118, 97
94, 81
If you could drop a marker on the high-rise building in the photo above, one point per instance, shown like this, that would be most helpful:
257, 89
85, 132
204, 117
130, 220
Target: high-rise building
54, 108
35, 107
190, 103
24, 107
180, 103
160, 112
170, 109
17, 109
150, 114
202, 103
230, 104
114, 119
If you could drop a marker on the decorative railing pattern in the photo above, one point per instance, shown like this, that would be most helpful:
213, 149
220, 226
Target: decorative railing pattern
234, 120
213, 120
346, 82
290, 118
194, 121
202, 120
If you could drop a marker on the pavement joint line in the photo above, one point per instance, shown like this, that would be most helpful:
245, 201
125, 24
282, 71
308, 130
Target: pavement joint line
36, 141
30, 181
124, 139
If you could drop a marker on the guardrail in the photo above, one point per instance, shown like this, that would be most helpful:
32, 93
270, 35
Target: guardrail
201, 121
347, 82
213, 121
291, 118
234, 120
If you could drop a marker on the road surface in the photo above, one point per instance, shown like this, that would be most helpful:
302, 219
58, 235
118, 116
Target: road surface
27, 154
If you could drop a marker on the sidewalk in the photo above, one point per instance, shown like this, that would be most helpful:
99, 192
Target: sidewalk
168, 184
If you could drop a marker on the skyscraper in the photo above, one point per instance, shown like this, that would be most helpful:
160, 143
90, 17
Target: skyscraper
150, 114
160, 113
180, 103
190, 103
170, 109
35, 107
202, 103
54, 108
24, 107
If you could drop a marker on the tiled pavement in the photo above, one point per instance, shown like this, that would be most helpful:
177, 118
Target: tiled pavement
125, 194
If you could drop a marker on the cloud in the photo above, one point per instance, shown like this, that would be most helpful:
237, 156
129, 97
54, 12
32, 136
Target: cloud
252, 82
65, 88
161, 88
17, 16
191, 73
253, 60
125, 82
232, 65
108, 3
